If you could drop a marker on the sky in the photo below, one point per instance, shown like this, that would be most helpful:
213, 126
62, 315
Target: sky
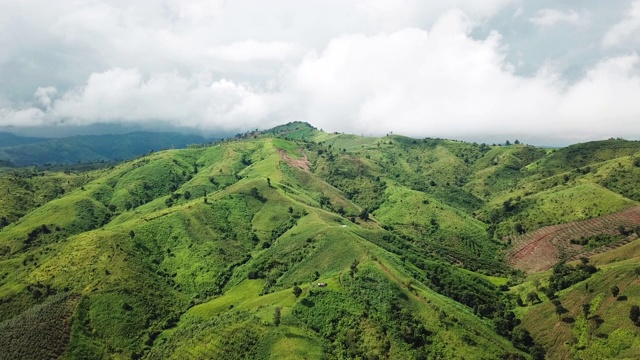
544, 72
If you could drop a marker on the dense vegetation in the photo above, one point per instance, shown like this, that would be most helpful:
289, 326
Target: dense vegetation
19, 151
218, 251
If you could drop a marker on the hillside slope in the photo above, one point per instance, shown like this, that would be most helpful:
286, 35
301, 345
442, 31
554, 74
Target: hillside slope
92, 148
218, 251
8, 139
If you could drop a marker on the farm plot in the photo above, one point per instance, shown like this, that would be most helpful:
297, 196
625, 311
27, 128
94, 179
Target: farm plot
539, 250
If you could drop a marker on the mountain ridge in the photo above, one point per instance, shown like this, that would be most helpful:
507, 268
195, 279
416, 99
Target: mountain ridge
92, 148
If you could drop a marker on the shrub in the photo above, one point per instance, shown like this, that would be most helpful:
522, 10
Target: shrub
634, 313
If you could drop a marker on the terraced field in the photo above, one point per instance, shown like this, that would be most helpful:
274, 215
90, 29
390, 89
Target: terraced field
541, 249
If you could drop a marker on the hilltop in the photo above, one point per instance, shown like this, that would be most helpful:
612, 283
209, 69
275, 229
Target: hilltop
216, 251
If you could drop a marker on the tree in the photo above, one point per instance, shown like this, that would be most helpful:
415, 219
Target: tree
549, 293
353, 269
508, 205
324, 201
507, 143
4, 222
533, 297
622, 230
290, 210
517, 142
536, 283
205, 197
169, 202
537, 352
615, 290
521, 338
132, 234
276, 316
585, 310
187, 195
268, 182
364, 215
297, 291
634, 313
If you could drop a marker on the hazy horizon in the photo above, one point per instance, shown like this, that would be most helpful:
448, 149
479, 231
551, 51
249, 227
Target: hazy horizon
50, 133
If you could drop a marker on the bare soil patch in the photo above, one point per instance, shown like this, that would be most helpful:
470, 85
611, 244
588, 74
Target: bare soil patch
539, 250
301, 163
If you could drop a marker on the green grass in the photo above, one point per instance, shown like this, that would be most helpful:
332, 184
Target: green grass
188, 253
563, 203
246, 290
607, 332
289, 147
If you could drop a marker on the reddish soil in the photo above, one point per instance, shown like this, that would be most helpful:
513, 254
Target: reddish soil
301, 163
540, 249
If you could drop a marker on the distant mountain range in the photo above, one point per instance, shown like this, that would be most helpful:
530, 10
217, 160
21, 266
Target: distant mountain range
29, 151
9, 139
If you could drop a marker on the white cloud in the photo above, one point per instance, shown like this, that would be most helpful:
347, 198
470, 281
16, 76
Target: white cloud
627, 30
125, 96
45, 95
22, 117
413, 81
250, 50
550, 17
415, 67
605, 101
394, 15
442, 82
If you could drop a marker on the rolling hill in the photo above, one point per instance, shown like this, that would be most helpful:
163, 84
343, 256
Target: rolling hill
23, 151
295, 243
9, 139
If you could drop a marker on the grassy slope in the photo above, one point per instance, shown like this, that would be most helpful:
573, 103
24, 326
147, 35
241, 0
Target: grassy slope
607, 332
278, 226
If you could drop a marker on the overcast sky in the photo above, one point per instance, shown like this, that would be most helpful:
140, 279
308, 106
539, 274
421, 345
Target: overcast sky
544, 71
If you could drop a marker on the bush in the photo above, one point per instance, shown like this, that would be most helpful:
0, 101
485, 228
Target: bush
634, 313
565, 275
297, 291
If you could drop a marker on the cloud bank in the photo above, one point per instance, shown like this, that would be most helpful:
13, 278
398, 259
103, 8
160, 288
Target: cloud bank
410, 67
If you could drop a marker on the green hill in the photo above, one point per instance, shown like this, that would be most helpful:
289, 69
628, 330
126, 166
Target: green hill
89, 148
8, 139
219, 251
